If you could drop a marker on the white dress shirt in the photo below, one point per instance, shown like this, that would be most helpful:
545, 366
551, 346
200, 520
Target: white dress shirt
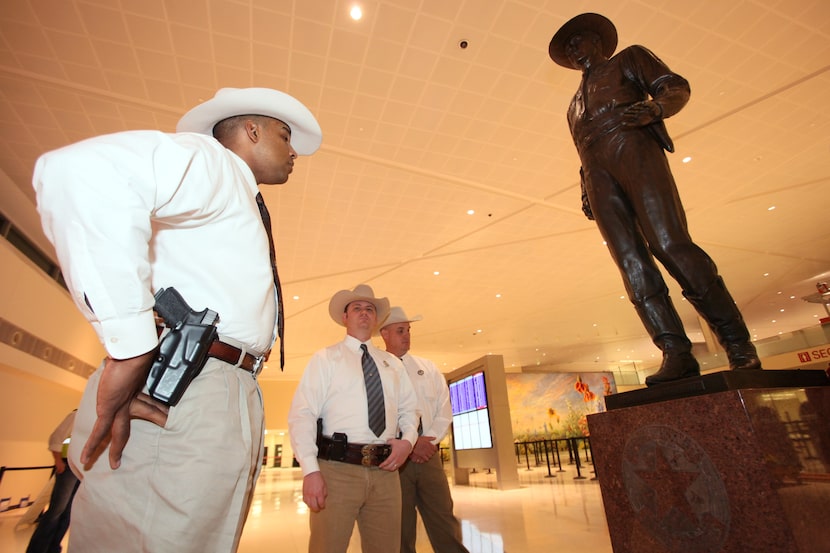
332, 388
133, 212
434, 406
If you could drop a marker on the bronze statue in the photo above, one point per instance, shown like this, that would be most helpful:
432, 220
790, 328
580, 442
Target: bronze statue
616, 121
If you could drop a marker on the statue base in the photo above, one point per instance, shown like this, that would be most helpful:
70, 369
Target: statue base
729, 462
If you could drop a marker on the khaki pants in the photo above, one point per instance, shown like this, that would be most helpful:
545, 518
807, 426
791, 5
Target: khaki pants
425, 486
186, 487
366, 495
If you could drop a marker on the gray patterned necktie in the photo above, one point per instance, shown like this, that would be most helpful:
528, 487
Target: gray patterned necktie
374, 393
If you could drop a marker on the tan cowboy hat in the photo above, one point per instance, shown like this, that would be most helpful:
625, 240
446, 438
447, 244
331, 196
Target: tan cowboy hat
306, 135
593, 22
361, 292
397, 315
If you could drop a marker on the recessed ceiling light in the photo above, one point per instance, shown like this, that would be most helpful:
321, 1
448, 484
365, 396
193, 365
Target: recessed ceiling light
436, 273
771, 208
687, 159
296, 297
471, 212
356, 12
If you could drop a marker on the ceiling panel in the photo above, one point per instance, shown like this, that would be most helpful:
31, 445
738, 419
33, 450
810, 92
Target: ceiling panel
417, 131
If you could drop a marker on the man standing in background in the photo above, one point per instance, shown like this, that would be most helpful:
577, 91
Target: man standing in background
351, 403
423, 482
52, 525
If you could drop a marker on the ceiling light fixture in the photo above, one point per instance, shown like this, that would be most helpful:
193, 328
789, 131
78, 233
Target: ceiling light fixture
356, 12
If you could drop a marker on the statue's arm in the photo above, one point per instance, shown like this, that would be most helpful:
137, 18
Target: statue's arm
667, 91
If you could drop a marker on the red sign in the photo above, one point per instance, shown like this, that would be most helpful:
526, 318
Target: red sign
814, 355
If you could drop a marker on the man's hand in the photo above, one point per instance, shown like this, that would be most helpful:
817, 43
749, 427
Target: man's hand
121, 381
642, 114
146, 408
400, 451
314, 491
586, 205
424, 449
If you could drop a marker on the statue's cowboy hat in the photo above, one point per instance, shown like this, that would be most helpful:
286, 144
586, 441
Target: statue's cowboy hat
306, 135
361, 292
398, 315
592, 22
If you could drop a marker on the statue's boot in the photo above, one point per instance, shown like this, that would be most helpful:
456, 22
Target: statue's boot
718, 309
666, 330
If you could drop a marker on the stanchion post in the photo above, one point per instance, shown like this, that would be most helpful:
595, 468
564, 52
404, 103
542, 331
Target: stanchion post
576, 457
547, 459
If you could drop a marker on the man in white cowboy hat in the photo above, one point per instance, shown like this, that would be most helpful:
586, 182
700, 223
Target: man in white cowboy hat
616, 121
131, 213
349, 464
423, 482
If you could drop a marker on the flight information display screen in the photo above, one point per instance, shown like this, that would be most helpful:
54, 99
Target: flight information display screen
470, 414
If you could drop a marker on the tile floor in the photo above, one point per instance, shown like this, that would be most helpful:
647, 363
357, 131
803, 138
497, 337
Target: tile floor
558, 513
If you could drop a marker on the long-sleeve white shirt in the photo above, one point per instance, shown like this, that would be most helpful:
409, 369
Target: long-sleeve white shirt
133, 212
332, 388
434, 407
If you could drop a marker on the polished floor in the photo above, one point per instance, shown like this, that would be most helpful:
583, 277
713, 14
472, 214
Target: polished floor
558, 513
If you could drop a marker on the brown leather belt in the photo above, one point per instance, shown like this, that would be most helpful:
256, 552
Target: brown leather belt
368, 455
232, 354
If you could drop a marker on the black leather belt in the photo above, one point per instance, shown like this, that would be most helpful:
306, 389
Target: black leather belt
368, 455
232, 354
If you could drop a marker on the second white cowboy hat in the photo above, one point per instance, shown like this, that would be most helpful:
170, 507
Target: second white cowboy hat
306, 135
397, 315
361, 292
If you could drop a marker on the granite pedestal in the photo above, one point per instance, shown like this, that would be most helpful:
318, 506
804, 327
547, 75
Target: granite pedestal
731, 462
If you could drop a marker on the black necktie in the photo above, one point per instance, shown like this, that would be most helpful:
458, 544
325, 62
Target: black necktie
374, 393
266, 220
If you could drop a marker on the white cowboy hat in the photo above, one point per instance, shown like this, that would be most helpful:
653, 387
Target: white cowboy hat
397, 315
306, 135
361, 292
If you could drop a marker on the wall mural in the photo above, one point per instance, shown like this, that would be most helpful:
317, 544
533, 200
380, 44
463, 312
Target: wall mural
555, 405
